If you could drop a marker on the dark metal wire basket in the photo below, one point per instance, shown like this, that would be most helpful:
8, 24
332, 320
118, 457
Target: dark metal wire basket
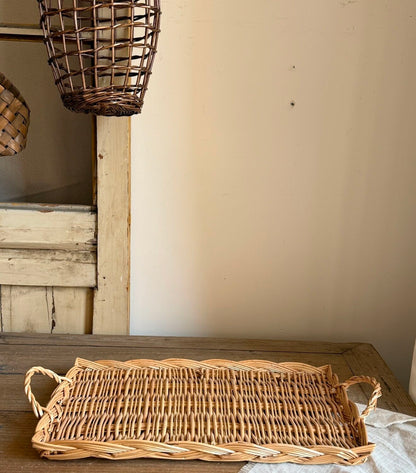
101, 52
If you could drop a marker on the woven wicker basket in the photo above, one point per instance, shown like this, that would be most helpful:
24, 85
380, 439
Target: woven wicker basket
101, 52
14, 119
214, 410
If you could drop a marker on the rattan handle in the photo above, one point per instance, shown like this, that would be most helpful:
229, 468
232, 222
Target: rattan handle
372, 402
37, 408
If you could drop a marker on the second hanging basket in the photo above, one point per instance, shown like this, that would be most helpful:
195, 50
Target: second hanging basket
14, 119
101, 52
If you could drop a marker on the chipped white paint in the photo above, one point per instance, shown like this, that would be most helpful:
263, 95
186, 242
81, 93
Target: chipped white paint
48, 268
46, 310
47, 226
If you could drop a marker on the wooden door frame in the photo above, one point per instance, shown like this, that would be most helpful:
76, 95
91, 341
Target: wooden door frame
112, 294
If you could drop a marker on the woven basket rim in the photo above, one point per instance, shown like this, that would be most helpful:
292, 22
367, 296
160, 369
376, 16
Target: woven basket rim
212, 363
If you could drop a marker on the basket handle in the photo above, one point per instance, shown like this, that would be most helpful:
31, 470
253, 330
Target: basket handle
372, 402
37, 408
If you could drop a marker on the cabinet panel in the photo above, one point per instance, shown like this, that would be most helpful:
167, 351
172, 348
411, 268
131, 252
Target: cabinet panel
48, 226
46, 309
48, 268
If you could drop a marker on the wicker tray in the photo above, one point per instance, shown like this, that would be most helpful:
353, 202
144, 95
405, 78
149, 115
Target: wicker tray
214, 410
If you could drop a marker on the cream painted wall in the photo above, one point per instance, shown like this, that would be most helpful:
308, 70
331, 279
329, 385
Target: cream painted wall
253, 217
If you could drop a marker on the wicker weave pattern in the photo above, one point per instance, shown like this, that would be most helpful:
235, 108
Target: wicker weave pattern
14, 119
101, 52
215, 410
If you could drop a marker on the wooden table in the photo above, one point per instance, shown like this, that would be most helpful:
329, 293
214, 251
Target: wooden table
19, 352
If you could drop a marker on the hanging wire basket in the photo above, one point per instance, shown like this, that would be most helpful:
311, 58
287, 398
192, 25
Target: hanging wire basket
101, 52
14, 119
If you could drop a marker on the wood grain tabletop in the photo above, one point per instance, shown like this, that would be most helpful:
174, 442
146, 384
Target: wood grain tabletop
19, 352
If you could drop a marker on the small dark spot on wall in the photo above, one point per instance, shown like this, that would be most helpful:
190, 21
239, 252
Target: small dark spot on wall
293, 67
292, 103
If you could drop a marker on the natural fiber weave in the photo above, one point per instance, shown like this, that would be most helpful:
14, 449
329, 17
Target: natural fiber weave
101, 52
14, 119
215, 410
